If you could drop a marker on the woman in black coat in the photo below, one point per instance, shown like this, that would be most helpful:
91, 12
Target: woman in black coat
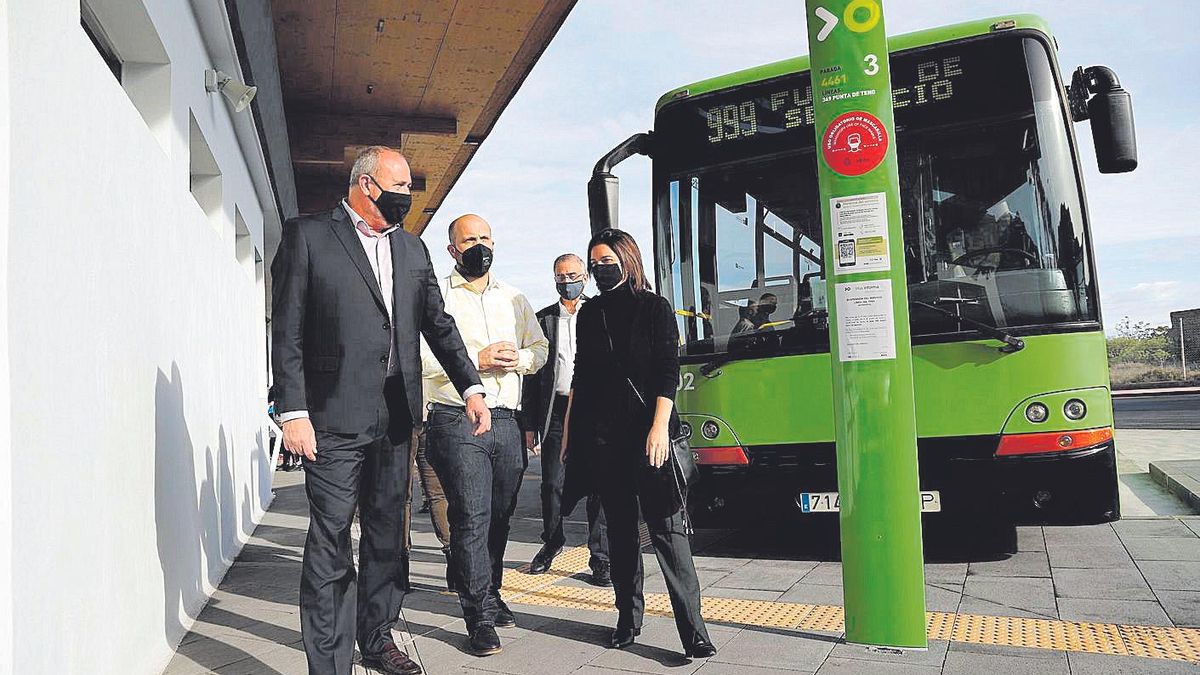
621, 444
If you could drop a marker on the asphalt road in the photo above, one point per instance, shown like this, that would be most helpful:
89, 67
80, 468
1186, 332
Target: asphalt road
1168, 411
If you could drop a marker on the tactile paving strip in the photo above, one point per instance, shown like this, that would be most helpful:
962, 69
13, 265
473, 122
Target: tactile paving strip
1156, 642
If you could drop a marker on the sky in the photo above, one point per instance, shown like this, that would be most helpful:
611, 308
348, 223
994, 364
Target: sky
600, 77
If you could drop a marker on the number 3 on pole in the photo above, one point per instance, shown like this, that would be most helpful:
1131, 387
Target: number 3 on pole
872, 62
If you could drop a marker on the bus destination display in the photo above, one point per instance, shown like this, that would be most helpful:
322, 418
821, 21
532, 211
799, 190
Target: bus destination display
974, 80
793, 108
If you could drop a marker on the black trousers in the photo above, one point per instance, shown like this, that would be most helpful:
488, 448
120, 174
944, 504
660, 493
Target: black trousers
617, 467
481, 476
369, 473
561, 493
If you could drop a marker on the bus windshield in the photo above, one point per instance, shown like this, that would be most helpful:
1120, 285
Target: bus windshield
993, 225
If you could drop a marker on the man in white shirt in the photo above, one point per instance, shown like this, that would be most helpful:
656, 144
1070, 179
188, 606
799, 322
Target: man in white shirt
481, 474
543, 406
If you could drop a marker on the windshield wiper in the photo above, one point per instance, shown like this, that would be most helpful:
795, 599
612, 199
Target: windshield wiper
1011, 344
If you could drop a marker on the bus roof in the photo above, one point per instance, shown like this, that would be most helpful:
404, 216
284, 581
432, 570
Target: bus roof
907, 41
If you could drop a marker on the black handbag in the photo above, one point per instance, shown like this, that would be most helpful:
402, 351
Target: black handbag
681, 463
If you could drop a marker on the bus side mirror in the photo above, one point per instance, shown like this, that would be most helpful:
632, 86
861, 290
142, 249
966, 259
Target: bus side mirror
1110, 109
603, 192
604, 187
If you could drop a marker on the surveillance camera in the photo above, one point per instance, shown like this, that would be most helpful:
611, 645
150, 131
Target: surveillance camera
238, 93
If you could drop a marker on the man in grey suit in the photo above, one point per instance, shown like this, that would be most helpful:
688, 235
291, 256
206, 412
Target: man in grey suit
352, 293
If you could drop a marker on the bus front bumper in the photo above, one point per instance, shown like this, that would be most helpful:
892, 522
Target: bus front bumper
1077, 487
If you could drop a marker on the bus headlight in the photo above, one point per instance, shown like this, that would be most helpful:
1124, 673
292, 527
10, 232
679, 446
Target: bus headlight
710, 429
1037, 413
1075, 409
686, 430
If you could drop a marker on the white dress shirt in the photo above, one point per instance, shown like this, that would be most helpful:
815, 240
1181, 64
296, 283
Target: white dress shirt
564, 359
500, 313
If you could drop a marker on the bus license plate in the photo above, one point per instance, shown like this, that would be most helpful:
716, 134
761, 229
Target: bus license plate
825, 502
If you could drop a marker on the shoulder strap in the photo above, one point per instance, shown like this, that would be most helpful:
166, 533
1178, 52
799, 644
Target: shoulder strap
620, 365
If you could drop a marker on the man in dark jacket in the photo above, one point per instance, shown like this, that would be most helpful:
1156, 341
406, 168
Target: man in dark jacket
543, 405
352, 293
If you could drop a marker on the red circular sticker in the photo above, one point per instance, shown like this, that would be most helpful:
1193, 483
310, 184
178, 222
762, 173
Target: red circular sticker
854, 143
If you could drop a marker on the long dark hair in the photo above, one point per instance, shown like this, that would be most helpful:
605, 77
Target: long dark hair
627, 252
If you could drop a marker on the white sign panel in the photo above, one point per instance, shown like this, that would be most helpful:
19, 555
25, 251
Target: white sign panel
860, 232
865, 320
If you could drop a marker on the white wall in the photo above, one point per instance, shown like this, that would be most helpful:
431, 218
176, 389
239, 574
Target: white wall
135, 344
6, 644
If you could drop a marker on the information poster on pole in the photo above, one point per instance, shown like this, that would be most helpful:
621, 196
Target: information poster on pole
866, 324
860, 230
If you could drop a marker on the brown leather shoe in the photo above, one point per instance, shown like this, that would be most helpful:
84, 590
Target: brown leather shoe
392, 661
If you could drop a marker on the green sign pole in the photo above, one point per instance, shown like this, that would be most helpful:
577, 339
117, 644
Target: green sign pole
874, 410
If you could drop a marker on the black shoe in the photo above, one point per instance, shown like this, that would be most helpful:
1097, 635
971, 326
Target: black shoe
601, 574
504, 615
701, 649
544, 559
623, 637
484, 641
391, 660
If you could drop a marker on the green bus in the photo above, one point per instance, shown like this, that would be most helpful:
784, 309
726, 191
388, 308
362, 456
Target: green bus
1014, 414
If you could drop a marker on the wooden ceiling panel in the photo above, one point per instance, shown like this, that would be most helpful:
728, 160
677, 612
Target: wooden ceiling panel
305, 34
395, 60
432, 74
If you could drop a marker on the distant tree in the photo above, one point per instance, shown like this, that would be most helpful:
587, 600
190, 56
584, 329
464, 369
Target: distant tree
1139, 342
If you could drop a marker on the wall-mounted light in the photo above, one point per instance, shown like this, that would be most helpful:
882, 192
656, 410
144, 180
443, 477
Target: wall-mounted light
238, 93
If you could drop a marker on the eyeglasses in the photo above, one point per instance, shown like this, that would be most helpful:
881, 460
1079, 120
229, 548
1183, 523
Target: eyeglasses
568, 278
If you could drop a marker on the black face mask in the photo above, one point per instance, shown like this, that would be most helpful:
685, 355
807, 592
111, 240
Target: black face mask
393, 205
766, 310
569, 290
608, 276
475, 261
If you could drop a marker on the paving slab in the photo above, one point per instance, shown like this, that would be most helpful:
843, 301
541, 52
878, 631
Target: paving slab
1163, 548
827, 573
1019, 564
767, 575
1104, 664
970, 605
1086, 535
945, 573
933, 656
1028, 594
842, 666
813, 594
658, 650
1171, 575
1089, 557
1182, 606
717, 668
1104, 584
1137, 612
972, 663
1192, 523
1031, 538
789, 650
1152, 527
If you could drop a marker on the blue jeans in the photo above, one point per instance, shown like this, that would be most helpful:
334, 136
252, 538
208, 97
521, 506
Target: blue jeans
481, 476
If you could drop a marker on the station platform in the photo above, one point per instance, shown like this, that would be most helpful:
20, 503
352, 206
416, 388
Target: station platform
1120, 598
